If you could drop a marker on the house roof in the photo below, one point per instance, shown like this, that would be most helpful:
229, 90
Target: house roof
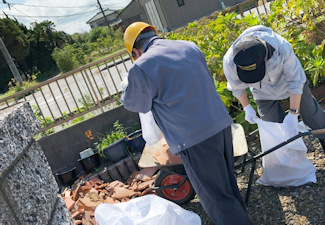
99, 15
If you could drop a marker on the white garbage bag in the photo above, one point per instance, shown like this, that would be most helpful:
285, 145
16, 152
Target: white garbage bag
145, 210
151, 133
288, 165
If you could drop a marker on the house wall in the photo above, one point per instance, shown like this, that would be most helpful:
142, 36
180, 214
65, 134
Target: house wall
147, 13
177, 16
229, 3
132, 13
173, 16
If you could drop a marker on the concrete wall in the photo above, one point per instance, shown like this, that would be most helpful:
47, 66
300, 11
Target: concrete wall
62, 148
28, 191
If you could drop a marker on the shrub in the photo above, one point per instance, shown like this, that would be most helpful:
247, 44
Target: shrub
65, 58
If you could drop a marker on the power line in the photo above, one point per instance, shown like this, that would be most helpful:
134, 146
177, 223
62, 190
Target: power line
50, 16
52, 6
23, 13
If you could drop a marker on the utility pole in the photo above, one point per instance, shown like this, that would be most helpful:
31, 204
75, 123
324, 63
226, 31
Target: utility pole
109, 27
222, 4
10, 62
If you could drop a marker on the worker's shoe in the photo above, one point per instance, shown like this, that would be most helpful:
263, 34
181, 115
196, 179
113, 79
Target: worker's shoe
322, 142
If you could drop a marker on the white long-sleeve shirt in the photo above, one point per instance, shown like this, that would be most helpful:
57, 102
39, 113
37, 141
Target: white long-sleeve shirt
284, 73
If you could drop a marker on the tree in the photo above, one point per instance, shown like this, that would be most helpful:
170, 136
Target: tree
65, 58
15, 41
44, 38
18, 47
80, 38
99, 32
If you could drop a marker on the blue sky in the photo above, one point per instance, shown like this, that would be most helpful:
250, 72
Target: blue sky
70, 16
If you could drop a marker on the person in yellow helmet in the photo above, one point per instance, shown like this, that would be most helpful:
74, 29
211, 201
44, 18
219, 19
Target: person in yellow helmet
171, 79
135, 32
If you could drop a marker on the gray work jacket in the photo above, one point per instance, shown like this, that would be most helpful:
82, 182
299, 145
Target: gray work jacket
172, 79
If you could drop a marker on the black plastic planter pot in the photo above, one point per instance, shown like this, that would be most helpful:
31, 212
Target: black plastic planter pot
136, 141
90, 163
116, 151
67, 176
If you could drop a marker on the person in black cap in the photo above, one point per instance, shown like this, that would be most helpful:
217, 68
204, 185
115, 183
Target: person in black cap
265, 62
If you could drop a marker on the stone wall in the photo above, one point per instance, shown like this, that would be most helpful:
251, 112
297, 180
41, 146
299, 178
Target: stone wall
28, 190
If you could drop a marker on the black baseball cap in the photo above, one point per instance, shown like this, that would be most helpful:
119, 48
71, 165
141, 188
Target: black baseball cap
249, 57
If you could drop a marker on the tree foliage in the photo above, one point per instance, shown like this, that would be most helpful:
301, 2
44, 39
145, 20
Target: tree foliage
15, 40
65, 58
17, 44
41, 50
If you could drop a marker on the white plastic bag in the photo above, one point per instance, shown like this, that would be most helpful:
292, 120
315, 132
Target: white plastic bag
145, 210
288, 165
151, 133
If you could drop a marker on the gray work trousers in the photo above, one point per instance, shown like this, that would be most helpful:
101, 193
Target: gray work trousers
210, 168
312, 114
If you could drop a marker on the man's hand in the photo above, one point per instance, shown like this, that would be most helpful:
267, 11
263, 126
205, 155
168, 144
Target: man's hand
125, 81
250, 114
292, 122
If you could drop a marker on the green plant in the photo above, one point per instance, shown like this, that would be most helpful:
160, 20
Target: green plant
43, 121
110, 138
315, 67
86, 101
65, 58
15, 87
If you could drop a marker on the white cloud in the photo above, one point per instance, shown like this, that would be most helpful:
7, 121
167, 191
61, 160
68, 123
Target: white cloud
71, 24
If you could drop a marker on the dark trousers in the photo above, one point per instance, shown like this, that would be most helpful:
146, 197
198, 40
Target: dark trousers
312, 114
210, 168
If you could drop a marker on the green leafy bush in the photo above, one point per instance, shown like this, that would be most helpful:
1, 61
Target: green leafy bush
65, 58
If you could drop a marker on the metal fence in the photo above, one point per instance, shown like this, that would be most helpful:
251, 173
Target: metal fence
75, 93
93, 87
259, 7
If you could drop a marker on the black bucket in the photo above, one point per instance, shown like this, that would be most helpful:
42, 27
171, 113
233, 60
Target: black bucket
136, 141
67, 176
116, 151
90, 163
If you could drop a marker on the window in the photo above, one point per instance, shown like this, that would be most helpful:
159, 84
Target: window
180, 2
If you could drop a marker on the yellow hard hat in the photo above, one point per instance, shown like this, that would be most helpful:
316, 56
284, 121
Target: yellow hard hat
131, 33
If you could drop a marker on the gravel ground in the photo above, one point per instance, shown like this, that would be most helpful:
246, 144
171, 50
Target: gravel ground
269, 205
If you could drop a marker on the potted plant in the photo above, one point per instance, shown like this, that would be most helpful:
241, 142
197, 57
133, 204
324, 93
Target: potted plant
89, 160
113, 145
